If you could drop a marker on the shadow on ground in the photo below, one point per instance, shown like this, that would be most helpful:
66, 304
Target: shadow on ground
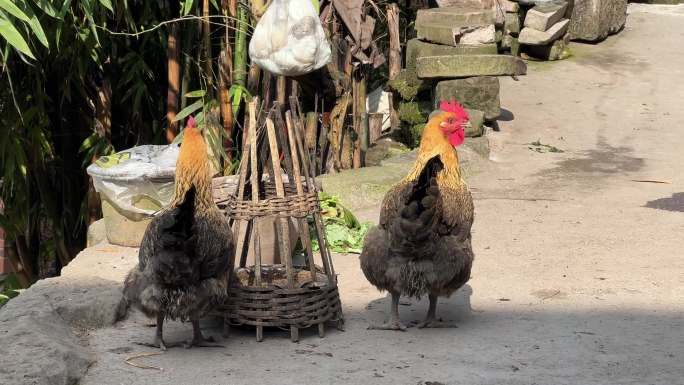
673, 203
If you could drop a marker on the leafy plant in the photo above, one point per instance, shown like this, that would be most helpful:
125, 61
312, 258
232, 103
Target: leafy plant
9, 286
343, 232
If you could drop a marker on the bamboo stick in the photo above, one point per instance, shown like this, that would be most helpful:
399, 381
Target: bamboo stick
286, 252
254, 181
311, 185
303, 224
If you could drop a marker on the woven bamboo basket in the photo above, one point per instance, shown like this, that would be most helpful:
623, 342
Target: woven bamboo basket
280, 296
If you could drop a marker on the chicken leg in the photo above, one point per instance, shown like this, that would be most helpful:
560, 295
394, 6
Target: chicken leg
394, 322
158, 336
431, 320
199, 340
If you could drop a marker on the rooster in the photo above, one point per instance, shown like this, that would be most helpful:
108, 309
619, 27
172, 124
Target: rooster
423, 244
186, 253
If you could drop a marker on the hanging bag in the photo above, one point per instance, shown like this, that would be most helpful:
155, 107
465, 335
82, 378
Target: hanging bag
289, 39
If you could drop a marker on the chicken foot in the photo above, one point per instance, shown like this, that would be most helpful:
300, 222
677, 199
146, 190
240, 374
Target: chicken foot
394, 322
158, 336
198, 338
431, 320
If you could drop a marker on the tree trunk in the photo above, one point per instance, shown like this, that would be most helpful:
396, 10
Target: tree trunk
394, 61
173, 56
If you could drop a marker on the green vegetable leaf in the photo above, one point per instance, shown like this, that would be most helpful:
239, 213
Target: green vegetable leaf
9, 33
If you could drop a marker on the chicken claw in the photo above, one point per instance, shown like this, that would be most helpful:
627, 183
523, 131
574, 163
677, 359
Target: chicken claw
431, 320
394, 322
391, 325
199, 340
435, 323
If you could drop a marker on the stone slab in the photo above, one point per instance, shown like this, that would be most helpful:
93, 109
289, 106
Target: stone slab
416, 48
531, 36
594, 20
544, 15
557, 51
454, 17
478, 93
450, 35
512, 23
508, 6
469, 65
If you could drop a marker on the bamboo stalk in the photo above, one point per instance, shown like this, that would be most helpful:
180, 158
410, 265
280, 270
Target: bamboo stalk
363, 119
225, 103
206, 32
356, 116
173, 57
240, 54
394, 61
281, 90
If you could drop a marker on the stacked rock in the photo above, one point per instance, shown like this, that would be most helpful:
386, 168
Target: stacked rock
545, 29
513, 17
456, 56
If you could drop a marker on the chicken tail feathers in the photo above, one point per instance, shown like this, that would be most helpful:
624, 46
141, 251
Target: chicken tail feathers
418, 216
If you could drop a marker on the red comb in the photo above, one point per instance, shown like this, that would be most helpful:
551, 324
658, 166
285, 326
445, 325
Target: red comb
191, 122
453, 106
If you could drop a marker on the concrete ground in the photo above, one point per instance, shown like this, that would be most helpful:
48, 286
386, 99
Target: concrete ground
579, 271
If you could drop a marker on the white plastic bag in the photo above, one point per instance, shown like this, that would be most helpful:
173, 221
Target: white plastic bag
289, 39
139, 180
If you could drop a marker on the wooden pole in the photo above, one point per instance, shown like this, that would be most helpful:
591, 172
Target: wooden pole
394, 61
356, 115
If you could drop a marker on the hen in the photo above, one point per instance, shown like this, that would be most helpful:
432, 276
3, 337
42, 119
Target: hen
187, 250
423, 244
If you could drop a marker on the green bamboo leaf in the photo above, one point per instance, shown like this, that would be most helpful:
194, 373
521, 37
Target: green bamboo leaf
34, 23
89, 142
65, 8
196, 94
215, 4
9, 33
187, 7
107, 4
13, 10
189, 110
47, 7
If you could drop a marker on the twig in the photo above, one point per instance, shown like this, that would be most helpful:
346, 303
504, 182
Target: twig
183, 18
651, 181
129, 360
516, 199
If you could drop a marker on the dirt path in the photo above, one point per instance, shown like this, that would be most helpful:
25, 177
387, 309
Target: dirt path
579, 273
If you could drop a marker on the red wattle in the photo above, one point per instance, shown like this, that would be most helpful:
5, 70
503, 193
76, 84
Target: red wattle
457, 137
